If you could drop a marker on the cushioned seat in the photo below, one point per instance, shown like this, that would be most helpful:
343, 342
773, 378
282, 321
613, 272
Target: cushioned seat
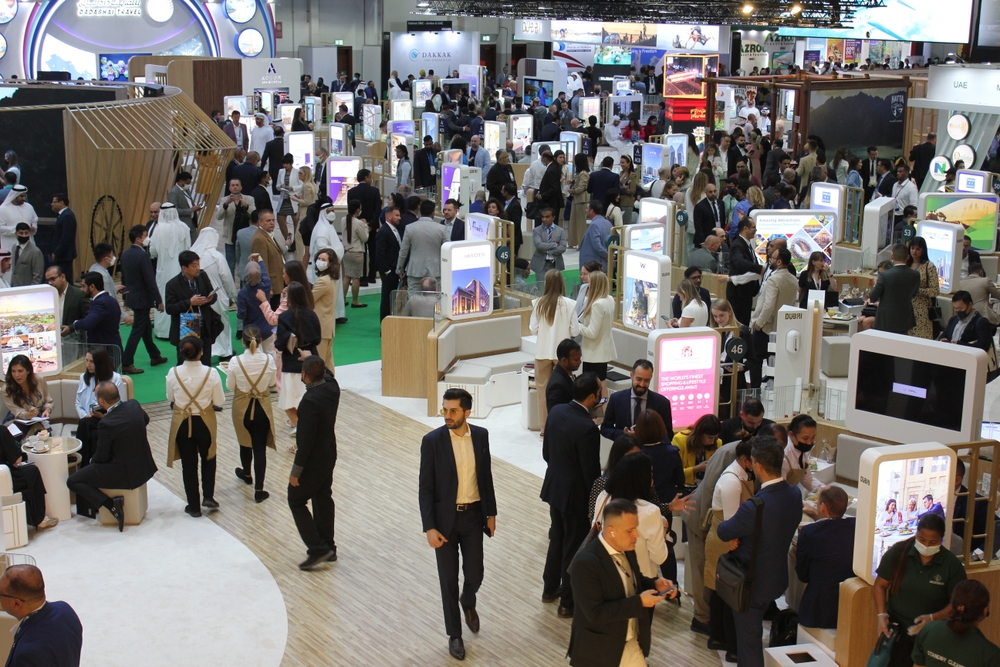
135, 506
509, 362
835, 356
466, 372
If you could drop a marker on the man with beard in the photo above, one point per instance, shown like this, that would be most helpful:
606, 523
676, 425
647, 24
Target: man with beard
624, 407
750, 419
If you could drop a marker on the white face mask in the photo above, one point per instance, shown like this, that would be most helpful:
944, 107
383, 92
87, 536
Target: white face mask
113, 260
322, 264
925, 550
145, 242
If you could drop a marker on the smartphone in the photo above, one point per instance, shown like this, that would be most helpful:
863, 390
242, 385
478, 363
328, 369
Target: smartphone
667, 592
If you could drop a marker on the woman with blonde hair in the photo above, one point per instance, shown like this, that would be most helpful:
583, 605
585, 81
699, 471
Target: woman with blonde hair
552, 320
722, 316
598, 347
756, 197
694, 313
692, 197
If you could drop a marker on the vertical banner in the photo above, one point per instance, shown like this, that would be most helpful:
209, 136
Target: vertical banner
852, 50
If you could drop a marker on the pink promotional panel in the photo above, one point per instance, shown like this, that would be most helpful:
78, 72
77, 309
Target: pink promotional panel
687, 374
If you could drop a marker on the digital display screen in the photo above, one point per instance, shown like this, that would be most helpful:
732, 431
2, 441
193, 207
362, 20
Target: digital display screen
29, 325
114, 66
687, 375
681, 74
970, 183
613, 55
640, 302
825, 197
301, 146
286, 112
236, 103
903, 21
428, 126
676, 150
910, 389
652, 160
543, 90
401, 109
976, 212
806, 233
589, 106
422, 92
402, 127
940, 251
647, 238
521, 127
491, 138
451, 182
338, 138
346, 97
626, 107
653, 210
467, 273
342, 175
372, 118
395, 140
478, 226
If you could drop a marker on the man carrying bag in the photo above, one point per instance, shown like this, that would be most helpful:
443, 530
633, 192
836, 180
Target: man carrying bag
755, 572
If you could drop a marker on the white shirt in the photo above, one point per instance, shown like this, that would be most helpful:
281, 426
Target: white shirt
791, 462
259, 136
598, 345
465, 467
697, 311
253, 364
728, 490
905, 195
564, 325
651, 545
191, 374
86, 396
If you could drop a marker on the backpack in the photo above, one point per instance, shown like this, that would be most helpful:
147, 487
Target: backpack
784, 628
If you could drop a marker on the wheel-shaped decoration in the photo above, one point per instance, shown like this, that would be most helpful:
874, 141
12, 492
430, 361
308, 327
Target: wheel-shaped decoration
106, 225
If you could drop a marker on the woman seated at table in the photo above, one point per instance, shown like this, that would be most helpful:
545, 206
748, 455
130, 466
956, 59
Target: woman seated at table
25, 394
890, 517
912, 515
696, 445
100, 368
26, 480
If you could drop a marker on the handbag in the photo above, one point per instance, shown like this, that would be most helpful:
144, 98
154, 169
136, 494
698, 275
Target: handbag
883, 650
190, 323
733, 582
595, 528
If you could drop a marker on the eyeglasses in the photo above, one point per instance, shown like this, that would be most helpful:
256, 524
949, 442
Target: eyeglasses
444, 412
51, 280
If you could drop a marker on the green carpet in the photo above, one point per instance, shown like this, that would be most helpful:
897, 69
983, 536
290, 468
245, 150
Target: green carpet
357, 341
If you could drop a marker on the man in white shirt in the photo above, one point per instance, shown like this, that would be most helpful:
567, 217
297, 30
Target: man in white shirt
904, 191
533, 177
795, 468
260, 135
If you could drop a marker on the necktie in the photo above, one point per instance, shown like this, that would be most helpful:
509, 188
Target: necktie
715, 211
549, 230
636, 411
626, 569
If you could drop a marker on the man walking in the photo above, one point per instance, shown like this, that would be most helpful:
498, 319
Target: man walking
311, 478
457, 505
141, 294
894, 294
190, 291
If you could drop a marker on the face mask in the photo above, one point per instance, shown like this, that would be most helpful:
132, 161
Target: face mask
22, 240
113, 260
322, 264
145, 242
925, 550
964, 314
802, 447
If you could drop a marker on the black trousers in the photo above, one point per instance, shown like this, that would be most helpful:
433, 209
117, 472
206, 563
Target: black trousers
722, 623
27, 481
370, 257
742, 306
258, 427
600, 369
902, 650
467, 535
316, 529
191, 449
142, 329
86, 433
87, 483
566, 534
758, 353
390, 282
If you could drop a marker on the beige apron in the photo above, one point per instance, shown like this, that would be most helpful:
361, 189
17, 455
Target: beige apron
715, 547
795, 476
185, 414
243, 401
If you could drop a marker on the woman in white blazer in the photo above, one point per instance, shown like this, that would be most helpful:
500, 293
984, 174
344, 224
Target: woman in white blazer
286, 185
595, 324
552, 319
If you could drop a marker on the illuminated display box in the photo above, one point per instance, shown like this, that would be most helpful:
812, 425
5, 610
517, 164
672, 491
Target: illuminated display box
686, 371
467, 279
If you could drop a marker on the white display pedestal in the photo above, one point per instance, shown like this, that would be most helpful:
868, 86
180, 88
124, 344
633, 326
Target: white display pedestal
799, 654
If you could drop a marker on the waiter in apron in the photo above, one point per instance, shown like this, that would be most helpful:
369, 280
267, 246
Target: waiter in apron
250, 376
795, 468
193, 391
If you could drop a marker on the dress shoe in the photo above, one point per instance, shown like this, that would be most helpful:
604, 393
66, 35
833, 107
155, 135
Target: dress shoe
314, 560
363, 282
341, 320
699, 627
565, 612
118, 511
716, 645
158, 361
456, 647
193, 511
132, 370
359, 305
551, 597
210, 504
472, 619
243, 477
260, 496
333, 555
731, 657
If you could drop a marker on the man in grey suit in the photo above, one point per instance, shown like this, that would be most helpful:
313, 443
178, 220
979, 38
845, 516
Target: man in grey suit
550, 244
420, 254
29, 265
180, 196
894, 294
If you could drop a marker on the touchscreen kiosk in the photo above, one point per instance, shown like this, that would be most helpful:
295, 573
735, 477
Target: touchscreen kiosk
372, 118
977, 213
589, 106
969, 180
243, 104
652, 160
494, 138
285, 115
467, 279
339, 144
402, 127
480, 227
520, 130
343, 98
453, 176
662, 212
29, 325
647, 290
876, 231
572, 143
397, 139
647, 238
342, 175
686, 371
896, 485
422, 92
806, 232
944, 251
312, 105
429, 126
903, 388
302, 146
401, 109
677, 150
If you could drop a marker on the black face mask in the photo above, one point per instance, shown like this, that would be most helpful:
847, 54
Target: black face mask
750, 474
963, 315
802, 447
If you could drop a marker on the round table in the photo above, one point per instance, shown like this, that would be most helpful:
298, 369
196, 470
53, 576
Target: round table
54, 469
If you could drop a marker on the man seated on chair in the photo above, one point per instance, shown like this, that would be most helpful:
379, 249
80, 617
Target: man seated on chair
122, 459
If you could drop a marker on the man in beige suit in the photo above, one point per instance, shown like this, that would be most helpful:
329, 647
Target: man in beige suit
264, 244
981, 288
780, 289
807, 163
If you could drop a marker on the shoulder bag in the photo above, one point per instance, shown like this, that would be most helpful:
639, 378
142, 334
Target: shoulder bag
733, 582
596, 527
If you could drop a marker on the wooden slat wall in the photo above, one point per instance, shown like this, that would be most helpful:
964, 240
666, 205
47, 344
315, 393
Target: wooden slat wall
404, 343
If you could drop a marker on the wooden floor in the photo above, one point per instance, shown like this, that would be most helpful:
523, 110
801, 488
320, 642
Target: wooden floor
380, 604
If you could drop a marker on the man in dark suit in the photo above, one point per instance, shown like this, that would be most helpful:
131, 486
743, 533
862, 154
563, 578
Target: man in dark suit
967, 327
782, 511
248, 173
894, 294
692, 273
191, 291
122, 458
749, 421
423, 165
499, 175
274, 153
824, 557
75, 304
737, 153
312, 471
886, 178
612, 624
387, 243
457, 506
603, 180
141, 294
65, 250
969, 256
709, 213
572, 449
550, 188
921, 157
743, 259
624, 407
559, 390
514, 213
371, 204
412, 214
101, 322
49, 633
869, 172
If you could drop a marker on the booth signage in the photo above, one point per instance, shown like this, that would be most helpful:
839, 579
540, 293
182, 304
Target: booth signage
109, 8
503, 254
736, 348
682, 218
428, 26
964, 84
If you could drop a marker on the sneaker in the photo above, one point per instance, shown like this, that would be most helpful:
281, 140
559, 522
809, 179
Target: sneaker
47, 523
314, 560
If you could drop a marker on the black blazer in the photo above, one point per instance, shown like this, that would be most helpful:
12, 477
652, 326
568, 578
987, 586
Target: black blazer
550, 189
307, 338
371, 202
438, 487
386, 250
600, 622
704, 219
65, 250
978, 332
602, 181
139, 279
894, 293
497, 177
618, 414
866, 171
423, 160
248, 176
178, 300
572, 450
559, 390
732, 427
885, 183
824, 557
921, 157
974, 257
274, 151
122, 446
317, 452
733, 156
742, 260
102, 320
515, 214
75, 306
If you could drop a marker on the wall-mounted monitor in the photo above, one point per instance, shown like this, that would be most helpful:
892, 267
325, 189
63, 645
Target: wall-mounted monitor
646, 296
342, 175
944, 250
542, 89
806, 232
467, 279
977, 213
30, 318
902, 388
607, 54
686, 371
302, 146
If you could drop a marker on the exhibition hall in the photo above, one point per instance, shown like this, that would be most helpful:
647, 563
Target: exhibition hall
607, 335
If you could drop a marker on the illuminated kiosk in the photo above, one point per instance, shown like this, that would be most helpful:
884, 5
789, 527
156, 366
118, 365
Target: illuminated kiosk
243, 104
430, 127
494, 138
589, 106
371, 118
686, 371
520, 129
646, 237
876, 233
973, 180
806, 231
302, 147
650, 161
401, 109
340, 139
467, 279
976, 212
421, 90
480, 227
646, 295
944, 250
676, 151
341, 175
455, 184
30, 320
663, 212
398, 139
285, 114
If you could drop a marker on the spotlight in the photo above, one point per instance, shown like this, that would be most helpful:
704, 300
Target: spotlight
748, 8
796, 9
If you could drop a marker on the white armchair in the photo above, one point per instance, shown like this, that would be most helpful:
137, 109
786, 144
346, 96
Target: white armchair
15, 515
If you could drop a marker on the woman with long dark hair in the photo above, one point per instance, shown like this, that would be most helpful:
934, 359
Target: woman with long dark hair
100, 368
958, 639
299, 331
620, 448
25, 394
355, 238
929, 288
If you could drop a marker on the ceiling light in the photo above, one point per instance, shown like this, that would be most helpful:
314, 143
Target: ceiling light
748, 8
796, 9
423, 4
